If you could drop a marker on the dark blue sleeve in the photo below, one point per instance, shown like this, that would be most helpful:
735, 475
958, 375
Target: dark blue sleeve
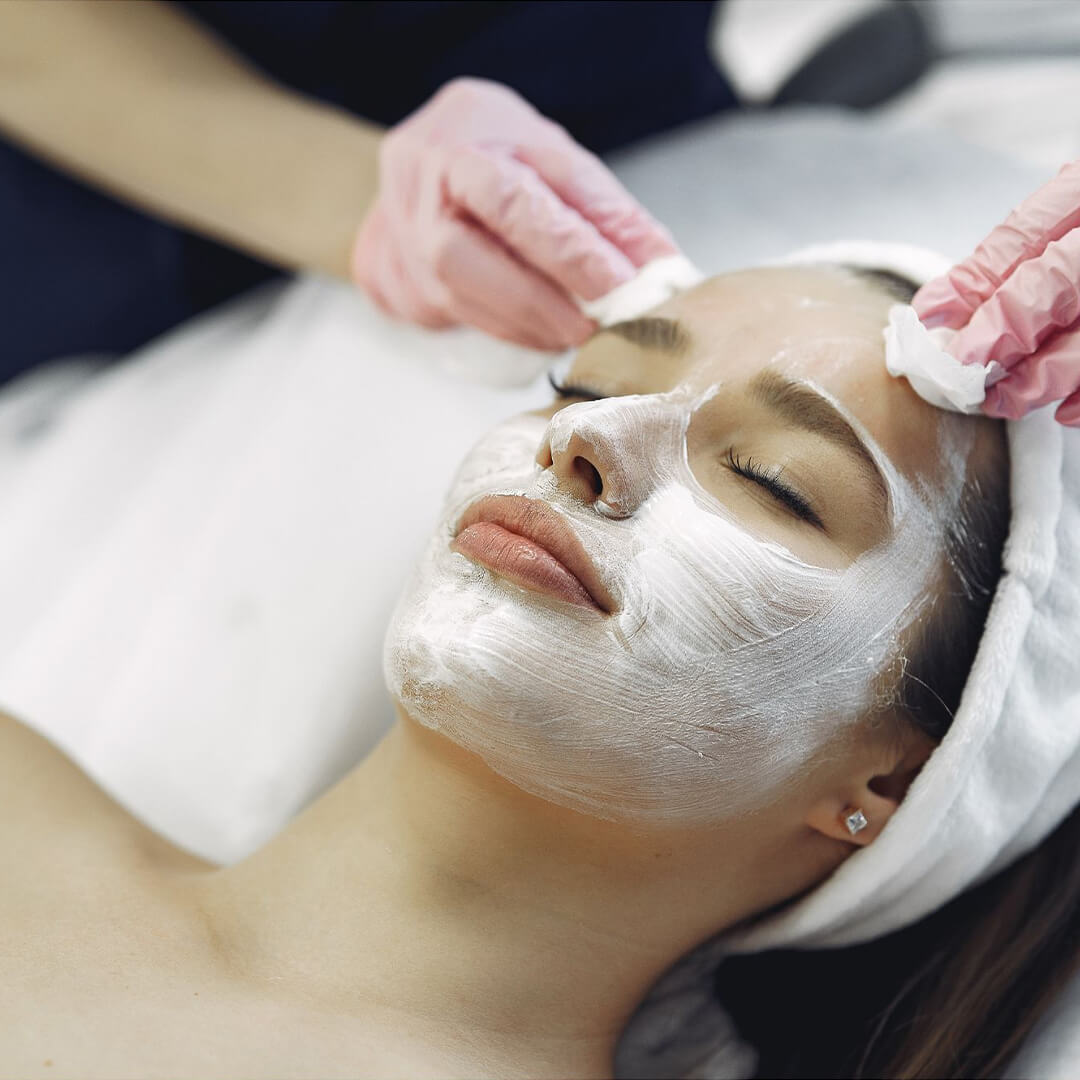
81, 272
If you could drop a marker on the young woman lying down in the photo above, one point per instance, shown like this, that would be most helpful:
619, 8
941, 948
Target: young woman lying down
677, 651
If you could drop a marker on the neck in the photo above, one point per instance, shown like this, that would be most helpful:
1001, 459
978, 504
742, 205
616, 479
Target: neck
424, 885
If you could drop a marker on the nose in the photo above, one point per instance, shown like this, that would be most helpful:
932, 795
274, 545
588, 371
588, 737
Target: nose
575, 467
599, 453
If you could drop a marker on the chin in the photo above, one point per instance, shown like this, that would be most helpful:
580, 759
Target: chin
536, 695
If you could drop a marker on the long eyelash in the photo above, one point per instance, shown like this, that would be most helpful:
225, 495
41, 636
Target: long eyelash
571, 390
770, 481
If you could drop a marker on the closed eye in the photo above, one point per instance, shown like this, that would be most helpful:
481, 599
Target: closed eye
771, 482
768, 479
572, 390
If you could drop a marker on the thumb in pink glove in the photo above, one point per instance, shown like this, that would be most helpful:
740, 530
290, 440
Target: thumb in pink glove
1016, 300
490, 214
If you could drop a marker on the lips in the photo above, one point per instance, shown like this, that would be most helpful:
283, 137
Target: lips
529, 543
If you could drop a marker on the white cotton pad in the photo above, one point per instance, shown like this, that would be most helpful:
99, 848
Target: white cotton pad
655, 282
919, 355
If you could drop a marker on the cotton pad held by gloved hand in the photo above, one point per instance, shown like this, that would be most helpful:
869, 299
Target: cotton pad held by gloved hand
654, 283
918, 354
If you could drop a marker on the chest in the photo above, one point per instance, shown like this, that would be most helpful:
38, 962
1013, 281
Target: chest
105, 1004
105, 971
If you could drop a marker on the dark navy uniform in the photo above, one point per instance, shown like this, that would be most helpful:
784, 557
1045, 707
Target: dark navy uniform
83, 272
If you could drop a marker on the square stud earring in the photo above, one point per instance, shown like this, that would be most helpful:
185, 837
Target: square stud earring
854, 819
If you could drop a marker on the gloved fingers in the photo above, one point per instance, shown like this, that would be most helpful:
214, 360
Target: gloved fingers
1041, 297
491, 321
375, 295
369, 253
517, 303
1068, 412
378, 269
585, 183
406, 297
1047, 215
516, 205
1050, 374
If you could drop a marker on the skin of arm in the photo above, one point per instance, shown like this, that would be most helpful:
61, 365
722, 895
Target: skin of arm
141, 101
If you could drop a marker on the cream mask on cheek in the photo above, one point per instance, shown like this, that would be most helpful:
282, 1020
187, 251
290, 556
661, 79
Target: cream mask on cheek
728, 663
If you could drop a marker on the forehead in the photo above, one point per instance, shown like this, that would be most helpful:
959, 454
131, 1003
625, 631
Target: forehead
819, 324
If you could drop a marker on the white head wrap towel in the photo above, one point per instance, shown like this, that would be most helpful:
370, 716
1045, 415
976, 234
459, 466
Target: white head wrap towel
1004, 776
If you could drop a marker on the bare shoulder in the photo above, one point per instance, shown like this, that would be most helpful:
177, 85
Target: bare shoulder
48, 804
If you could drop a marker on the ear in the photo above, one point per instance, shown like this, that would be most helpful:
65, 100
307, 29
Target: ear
877, 790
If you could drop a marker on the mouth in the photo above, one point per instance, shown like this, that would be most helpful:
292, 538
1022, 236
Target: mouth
527, 542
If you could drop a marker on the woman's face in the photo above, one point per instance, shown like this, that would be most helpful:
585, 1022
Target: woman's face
758, 509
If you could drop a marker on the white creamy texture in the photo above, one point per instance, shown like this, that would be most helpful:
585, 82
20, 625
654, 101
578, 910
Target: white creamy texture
727, 665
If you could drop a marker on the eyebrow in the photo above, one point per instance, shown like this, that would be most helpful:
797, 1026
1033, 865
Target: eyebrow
652, 332
806, 408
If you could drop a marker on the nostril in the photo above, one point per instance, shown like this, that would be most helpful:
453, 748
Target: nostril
588, 472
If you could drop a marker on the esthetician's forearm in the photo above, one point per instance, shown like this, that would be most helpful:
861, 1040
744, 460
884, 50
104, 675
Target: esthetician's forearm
139, 100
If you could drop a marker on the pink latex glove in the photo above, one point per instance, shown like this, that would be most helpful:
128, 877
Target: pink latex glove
490, 214
1016, 300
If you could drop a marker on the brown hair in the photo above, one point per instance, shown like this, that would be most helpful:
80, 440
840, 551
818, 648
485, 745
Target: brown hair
957, 993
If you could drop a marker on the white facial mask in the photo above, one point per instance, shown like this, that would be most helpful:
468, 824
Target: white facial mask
728, 663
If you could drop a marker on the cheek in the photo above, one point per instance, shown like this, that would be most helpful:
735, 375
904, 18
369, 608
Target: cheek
767, 651
772, 644
709, 588
502, 460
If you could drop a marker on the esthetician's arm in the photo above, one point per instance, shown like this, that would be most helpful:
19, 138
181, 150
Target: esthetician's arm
506, 216
140, 100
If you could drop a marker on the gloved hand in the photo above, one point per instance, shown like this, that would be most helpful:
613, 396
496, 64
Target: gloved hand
490, 214
1016, 300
